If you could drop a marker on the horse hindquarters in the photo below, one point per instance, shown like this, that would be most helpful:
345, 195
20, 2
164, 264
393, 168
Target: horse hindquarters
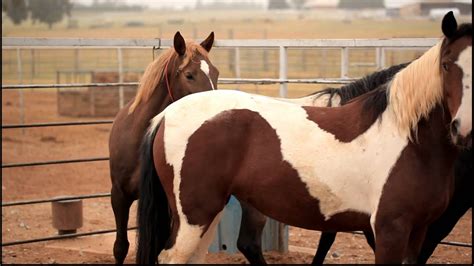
153, 212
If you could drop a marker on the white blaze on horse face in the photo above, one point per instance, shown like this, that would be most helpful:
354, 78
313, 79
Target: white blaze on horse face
205, 69
464, 113
342, 176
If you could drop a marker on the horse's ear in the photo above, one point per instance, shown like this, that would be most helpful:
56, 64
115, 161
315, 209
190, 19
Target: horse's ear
208, 42
179, 44
449, 25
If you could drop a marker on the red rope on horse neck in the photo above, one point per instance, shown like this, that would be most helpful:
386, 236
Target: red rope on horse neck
167, 81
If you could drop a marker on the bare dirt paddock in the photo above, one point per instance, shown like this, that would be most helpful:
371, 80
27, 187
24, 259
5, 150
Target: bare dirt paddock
69, 142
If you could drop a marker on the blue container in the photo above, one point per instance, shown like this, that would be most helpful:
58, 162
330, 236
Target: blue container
229, 226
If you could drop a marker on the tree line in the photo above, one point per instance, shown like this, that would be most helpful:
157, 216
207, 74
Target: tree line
44, 11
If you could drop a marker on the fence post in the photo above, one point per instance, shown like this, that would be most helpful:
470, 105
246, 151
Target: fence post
237, 62
344, 62
379, 58
230, 36
76, 63
20, 92
283, 71
265, 52
32, 76
382, 57
120, 76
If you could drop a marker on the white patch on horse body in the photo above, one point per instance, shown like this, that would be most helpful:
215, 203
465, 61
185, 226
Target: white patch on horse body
187, 241
205, 69
200, 253
372, 221
342, 176
464, 113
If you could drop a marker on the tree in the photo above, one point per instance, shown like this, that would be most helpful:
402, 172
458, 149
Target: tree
16, 10
49, 11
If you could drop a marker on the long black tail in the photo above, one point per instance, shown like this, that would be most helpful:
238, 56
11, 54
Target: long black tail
153, 211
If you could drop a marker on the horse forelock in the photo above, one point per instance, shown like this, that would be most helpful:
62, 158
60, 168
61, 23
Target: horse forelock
193, 49
153, 74
416, 90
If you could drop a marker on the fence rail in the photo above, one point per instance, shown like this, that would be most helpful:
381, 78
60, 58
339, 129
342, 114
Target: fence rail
82, 160
27, 241
36, 201
283, 45
20, 42
220, 81
57, 124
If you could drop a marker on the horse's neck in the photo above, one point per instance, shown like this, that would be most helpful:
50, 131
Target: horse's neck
157, 102
432, 134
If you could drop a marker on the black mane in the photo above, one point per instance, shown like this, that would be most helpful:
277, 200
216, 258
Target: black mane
361, 86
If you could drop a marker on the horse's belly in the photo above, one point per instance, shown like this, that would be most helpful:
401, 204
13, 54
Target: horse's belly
289, 202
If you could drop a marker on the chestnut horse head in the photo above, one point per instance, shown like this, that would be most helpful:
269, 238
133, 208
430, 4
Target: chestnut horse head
185, 69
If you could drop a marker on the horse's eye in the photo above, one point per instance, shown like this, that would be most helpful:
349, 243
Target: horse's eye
445, 66
189, 76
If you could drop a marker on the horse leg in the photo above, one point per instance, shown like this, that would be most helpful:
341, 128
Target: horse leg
441, 228
369, 236
325, 242
200, 253
417, 236
189, 246
121, 207
391, 239
250, 234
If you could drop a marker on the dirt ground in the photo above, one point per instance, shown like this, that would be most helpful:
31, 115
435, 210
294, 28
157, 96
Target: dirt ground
51, 143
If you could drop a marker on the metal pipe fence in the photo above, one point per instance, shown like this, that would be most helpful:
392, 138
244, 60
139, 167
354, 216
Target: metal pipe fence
81, 160
42, 239
45, 43
27, 202
58, 124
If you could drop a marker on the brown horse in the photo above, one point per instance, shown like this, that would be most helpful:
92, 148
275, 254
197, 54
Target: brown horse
382, 162
177, 72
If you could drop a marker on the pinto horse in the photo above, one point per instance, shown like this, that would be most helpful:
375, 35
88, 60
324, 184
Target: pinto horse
253, 222
382, 162
177, 72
